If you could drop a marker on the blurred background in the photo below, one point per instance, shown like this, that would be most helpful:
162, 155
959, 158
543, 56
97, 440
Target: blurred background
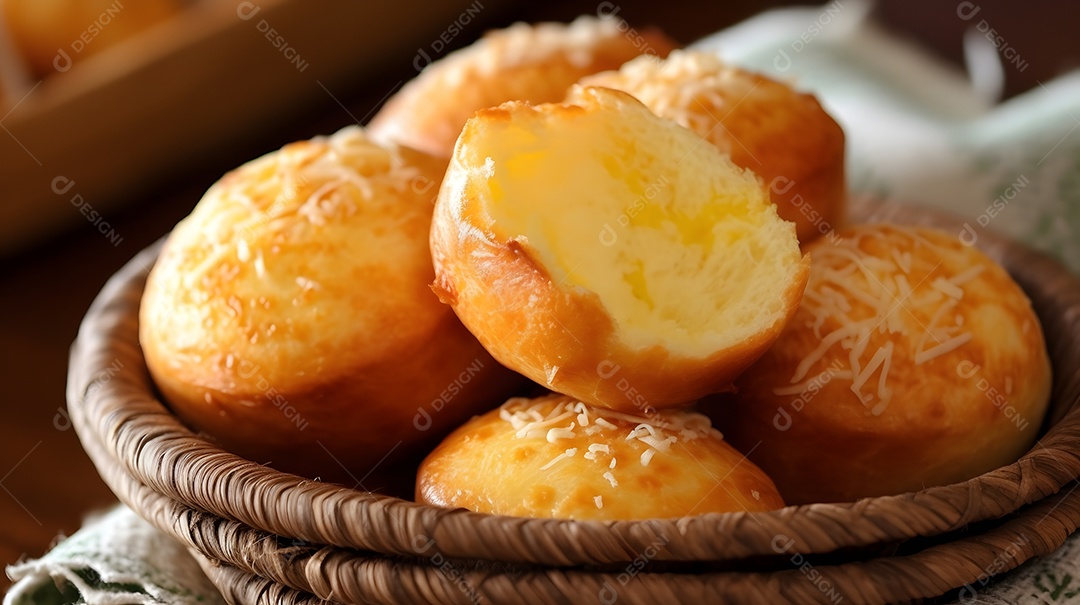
119, 114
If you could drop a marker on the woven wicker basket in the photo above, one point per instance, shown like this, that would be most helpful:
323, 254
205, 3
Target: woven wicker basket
267, 536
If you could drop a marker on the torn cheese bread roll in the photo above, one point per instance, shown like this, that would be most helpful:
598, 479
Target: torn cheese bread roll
913, 361
556, 457
523, 62
783, 135
289, 316
606, 253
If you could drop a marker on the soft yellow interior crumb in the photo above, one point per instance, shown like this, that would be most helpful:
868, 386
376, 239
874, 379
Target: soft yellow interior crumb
683, 248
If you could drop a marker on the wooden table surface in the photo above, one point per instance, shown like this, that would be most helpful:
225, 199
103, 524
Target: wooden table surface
47, 484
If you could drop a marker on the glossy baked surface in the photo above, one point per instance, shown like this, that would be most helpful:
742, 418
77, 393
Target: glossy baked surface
289, 316
556, 457
913, 361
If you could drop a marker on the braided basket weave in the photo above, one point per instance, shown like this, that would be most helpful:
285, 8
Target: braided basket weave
267, 536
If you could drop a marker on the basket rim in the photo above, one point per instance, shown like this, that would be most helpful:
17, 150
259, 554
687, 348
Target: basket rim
157, 450
237, 557
977, 554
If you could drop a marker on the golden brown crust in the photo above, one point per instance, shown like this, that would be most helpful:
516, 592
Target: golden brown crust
289, 317
783, 135
966, 373
588, 463
534, 63
560, 336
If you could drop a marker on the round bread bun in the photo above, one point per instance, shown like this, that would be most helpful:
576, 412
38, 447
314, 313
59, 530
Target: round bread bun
53, 34
913, 361
289, 316
555, 457
784, 136
523, 62
606, 253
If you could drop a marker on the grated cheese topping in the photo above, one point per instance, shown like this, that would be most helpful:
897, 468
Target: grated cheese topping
595, 448
604, 423
701, 92
557, 433
569, 453
309, 184
569, 419
647, 457
846, 274
674, 88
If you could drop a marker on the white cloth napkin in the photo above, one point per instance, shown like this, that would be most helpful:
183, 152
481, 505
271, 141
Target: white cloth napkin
115, 559
921, 131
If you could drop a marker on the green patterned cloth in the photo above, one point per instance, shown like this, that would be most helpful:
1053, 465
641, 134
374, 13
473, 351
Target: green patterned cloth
115, 559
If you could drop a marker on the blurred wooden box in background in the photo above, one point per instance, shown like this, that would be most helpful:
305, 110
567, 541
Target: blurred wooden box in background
217, 70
